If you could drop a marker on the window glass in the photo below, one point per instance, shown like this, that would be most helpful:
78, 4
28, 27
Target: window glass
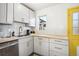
44, 18
75, 16
42, 24
75, 31
76, 23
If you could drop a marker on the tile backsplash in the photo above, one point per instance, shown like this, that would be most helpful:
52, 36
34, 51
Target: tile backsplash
14, 27
4, 30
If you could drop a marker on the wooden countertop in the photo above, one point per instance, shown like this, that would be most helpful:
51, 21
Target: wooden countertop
51, 36
2, 40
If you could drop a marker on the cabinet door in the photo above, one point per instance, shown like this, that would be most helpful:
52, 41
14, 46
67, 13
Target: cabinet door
3, 13
44, 47
29, 45
25, 14
21, 13
37, 45
18, 12
10, 13
32, 18
22, 47
25, 46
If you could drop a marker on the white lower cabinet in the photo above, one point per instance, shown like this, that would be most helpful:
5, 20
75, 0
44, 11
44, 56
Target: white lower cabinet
29, 45
22, 46
41, 46
53, 47
58, 47
44, 47
25, 46
37, 45
56, 53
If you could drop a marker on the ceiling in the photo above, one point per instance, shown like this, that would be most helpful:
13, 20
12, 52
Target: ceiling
39, 6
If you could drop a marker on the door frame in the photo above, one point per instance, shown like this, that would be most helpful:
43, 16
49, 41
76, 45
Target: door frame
73, 39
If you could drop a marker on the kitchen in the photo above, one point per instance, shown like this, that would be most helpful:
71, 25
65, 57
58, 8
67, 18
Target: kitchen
42, 29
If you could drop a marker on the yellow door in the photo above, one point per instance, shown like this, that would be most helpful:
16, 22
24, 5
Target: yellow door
73, 30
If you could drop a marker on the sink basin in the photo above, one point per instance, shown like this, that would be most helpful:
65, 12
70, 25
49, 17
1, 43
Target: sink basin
21, 35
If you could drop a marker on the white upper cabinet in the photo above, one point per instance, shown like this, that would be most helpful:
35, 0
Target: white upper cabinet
25, 14
6, 13
21, 13
10, 13
17, 12
32, 18
2, 13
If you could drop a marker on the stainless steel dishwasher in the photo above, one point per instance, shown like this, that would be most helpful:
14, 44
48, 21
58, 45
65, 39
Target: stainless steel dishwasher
9, 48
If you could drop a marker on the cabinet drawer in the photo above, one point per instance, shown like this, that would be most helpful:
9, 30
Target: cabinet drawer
59, 41
59, 48
56, 53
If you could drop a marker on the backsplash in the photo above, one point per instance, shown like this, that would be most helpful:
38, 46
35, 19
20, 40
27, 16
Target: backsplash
14, 27
4, 30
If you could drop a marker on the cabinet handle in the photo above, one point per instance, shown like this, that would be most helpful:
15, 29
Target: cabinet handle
58, 41
22, 19
58, 48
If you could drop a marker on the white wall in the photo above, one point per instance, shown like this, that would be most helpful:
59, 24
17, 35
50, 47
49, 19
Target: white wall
56, 19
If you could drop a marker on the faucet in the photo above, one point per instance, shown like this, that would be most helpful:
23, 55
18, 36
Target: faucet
9, 32
20, 30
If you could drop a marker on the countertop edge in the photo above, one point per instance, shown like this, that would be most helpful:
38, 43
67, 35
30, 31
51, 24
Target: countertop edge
3, 40
51, 36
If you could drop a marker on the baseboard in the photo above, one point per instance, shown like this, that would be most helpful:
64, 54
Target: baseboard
31, 54
34, 53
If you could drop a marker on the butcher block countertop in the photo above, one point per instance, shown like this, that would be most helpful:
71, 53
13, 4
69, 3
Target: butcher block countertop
51, 36
2, 40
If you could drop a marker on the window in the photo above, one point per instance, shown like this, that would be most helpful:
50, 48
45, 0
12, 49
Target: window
42, 24
76, 23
